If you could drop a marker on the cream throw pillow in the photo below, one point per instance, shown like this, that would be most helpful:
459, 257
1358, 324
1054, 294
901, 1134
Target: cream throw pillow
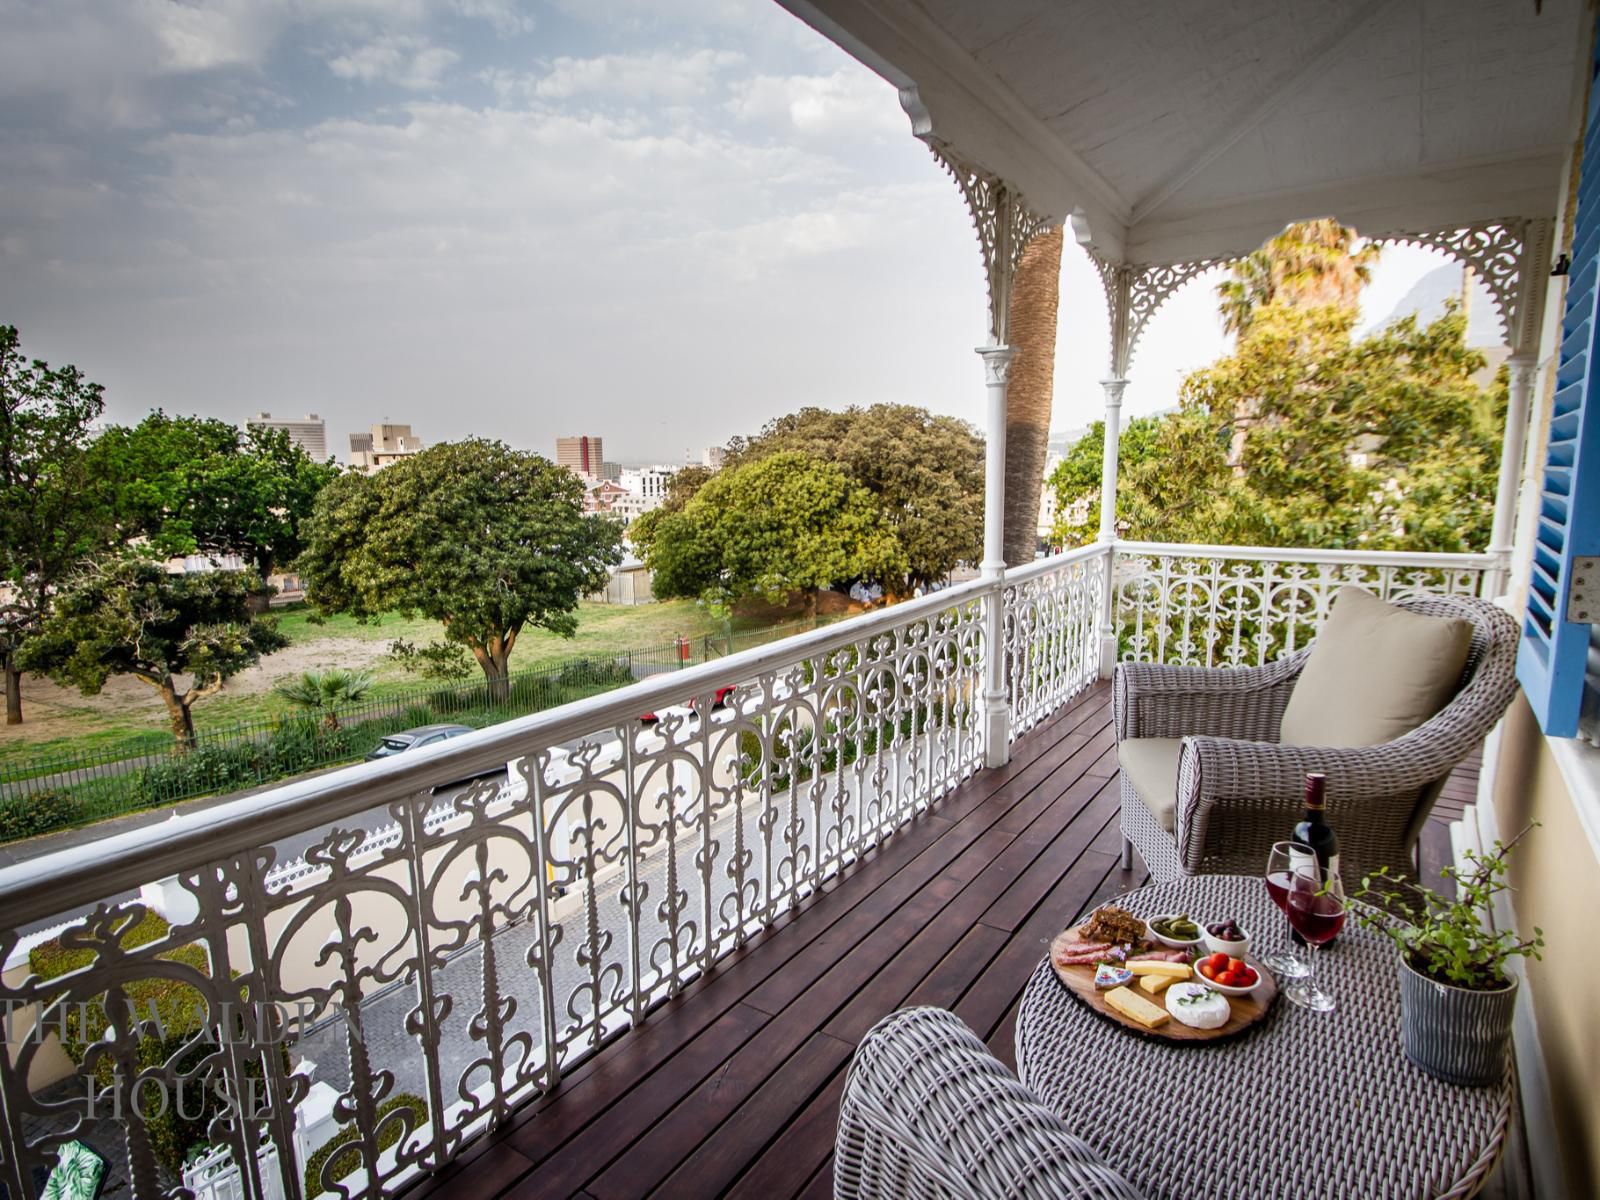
1375, 672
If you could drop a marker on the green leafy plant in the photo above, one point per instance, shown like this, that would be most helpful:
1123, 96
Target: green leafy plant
322, 693
1449, 940
389, 1132
27, 816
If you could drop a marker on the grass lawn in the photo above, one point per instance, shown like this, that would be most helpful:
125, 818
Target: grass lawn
61, 721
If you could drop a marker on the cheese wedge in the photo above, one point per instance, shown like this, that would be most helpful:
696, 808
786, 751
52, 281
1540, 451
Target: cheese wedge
1154, 985
1130, 1004
1160, 967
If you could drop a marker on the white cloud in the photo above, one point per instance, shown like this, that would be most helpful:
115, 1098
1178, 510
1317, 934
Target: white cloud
844, 101
661, 75
408, 62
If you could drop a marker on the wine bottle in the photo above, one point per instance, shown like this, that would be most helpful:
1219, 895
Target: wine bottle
1314, 842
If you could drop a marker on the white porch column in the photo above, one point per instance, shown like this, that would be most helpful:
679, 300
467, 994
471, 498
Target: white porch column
996, 704
1523, 369
1113, 389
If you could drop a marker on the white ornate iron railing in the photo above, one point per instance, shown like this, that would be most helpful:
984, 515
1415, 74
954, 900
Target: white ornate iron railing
443, 952
1236, 606
460, 949
1051, 613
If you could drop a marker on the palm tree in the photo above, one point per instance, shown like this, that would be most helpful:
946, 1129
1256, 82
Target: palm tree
324, 692
1031, 328
1309, 263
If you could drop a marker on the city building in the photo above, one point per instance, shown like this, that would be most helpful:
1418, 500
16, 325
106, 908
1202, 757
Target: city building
382, 445
309, 432
713, 457
582, 454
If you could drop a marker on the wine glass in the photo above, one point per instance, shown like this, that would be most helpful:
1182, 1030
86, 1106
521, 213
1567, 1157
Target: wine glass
1316, 908
1285, 964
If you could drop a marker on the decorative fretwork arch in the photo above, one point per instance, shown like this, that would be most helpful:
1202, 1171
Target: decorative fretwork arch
1496, 250
1134, 294
1004, 223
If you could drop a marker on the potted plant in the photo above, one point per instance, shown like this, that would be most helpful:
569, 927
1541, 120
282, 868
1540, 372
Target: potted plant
1456, 997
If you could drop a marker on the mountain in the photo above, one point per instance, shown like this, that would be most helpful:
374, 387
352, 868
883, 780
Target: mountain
1428, 297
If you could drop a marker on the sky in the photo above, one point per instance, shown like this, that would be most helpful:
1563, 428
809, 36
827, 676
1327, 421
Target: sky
659, 223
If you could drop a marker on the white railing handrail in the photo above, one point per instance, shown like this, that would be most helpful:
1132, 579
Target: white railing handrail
53, 883
1054, 562
1374, 558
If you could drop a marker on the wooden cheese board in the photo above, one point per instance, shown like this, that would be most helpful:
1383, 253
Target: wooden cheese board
1247, 1011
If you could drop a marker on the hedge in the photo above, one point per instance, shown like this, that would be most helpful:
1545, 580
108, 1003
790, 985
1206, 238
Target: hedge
350, 1161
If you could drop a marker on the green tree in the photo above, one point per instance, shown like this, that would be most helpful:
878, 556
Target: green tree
1076, 479
128, 616
1310, 264
681, 488
1379, 443
485, 539
195, 485
323, 693
771, 527
54, 506
926, 472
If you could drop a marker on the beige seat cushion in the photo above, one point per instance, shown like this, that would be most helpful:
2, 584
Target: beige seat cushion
1375, 672
1151, 766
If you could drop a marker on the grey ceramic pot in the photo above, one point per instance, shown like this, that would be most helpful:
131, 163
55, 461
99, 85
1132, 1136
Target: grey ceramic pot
1452, 1033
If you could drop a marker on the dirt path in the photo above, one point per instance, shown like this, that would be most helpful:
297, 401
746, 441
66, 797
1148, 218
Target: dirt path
126, 706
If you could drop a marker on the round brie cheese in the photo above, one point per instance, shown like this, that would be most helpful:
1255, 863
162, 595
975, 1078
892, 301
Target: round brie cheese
1197, 1005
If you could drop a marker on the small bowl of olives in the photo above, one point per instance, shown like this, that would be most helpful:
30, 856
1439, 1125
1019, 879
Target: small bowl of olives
1227, 937
1178, 930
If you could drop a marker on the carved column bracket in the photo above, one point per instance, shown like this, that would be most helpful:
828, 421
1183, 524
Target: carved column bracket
1004, 223
1135, 292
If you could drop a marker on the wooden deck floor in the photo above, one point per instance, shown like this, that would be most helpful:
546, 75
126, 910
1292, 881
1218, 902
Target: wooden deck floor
733, 1088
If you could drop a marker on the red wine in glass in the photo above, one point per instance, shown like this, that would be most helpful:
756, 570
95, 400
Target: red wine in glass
1316, 918
1278, 888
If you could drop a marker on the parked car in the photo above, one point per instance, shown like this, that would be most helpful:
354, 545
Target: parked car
414, 739
720, 701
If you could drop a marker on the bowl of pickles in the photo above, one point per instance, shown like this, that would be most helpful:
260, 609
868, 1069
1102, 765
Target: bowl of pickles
1178, 930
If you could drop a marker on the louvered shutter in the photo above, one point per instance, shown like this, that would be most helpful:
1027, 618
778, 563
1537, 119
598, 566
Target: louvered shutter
1555, 631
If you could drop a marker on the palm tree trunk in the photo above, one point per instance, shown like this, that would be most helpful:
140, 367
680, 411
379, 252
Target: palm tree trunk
1031, 328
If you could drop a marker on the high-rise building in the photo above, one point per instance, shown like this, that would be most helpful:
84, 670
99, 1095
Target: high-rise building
384, 444
309, 432
712, 456
582, 454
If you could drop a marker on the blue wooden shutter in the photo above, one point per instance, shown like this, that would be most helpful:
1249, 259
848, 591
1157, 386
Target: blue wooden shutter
1554, 650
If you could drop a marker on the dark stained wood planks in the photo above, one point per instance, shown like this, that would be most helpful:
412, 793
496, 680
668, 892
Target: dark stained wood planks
733, 1087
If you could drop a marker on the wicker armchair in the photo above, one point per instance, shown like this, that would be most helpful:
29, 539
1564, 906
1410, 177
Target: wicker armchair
1238, 789
928, 1112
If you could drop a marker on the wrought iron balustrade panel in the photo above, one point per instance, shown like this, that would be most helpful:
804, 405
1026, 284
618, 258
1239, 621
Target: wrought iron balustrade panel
1223, 607
443, 957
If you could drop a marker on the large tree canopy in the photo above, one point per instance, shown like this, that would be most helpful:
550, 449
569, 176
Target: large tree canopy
128, 616
926, 472
55, 507
771, 527
1076, 478
485, 539
192, 484
1307, 436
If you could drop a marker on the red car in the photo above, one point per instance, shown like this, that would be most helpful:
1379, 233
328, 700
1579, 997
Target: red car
721, 701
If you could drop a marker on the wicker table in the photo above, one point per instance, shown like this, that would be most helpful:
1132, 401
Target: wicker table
1304, 1105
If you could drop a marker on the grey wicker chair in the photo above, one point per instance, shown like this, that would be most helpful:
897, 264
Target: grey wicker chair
1239, 790
929, 1113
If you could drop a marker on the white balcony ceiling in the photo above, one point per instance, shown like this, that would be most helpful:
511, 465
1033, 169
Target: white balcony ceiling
1191, 128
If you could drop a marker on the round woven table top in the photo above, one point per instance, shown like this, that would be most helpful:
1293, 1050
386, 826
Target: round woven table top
1303, 1105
